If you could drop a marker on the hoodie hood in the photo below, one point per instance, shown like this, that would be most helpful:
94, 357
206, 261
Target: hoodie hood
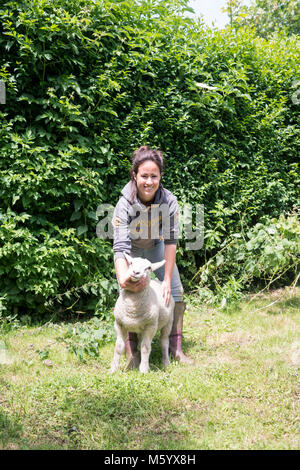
127, 190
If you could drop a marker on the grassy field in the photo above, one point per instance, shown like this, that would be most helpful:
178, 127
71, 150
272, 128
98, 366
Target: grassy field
242, 393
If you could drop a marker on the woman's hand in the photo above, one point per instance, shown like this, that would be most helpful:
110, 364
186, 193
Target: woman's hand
127, 284
124, 279
166, 286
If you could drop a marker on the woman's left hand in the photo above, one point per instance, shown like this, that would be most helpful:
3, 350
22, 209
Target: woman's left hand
166, 286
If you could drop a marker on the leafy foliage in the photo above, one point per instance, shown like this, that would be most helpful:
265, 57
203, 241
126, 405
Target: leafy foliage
87, 83
85, 339
266, 253
267, 16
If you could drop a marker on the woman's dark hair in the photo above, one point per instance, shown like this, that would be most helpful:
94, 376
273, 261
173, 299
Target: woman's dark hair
140, 156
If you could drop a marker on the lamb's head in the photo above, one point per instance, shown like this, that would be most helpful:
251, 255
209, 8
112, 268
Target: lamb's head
139, 267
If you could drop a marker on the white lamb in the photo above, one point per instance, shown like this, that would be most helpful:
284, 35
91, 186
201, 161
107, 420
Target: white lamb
143, 313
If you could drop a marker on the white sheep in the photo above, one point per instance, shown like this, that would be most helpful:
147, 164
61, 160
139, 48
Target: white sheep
143, 313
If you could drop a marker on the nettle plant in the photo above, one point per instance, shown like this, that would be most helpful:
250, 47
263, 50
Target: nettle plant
266, 255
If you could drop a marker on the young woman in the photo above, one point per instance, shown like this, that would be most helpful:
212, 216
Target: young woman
146, 225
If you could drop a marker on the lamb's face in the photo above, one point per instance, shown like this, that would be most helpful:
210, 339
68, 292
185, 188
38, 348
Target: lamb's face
139, 267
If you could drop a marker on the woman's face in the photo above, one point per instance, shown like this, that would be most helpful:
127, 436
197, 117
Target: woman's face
147, 180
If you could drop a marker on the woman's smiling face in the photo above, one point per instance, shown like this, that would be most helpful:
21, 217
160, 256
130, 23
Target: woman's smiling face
147, 180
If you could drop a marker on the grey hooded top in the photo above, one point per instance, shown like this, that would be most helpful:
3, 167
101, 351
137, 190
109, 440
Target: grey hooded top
139, 226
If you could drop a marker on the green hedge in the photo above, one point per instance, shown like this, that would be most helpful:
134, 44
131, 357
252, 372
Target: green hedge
90, 81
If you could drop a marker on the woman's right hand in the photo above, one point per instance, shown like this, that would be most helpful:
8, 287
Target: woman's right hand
124, 279
127, 284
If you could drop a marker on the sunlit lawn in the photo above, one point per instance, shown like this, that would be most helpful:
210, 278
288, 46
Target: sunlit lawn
242, 393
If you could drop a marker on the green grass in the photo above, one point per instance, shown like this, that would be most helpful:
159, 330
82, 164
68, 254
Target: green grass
242, 393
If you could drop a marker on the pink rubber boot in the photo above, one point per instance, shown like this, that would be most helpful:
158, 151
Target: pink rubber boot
176, 335
132, 353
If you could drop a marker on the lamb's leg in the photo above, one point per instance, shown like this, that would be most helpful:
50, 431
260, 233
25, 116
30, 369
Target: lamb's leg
147, 338
164, 341
119, 348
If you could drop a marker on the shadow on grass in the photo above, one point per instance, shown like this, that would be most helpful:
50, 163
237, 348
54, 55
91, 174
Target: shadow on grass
135, 419
280, 306
121, 417
127, 410
156, 354
10, 430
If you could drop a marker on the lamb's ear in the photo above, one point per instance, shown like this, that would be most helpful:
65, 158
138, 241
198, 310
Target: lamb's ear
155, 266
127, 257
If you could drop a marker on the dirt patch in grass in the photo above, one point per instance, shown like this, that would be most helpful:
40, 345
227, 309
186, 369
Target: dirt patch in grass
274, 294
236, 338
293, 356
223, 358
